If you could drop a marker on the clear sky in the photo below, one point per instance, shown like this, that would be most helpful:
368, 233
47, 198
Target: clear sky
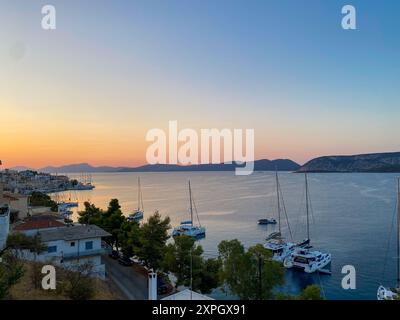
90, 90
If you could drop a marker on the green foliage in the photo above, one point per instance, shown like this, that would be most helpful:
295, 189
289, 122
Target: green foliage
11, 269
250, 274
42, 199
110, 220
147, 241
311, 292
152, 238
20, 241
128, 237
78, 283
184, 253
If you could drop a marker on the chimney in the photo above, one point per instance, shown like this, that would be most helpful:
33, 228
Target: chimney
152, 285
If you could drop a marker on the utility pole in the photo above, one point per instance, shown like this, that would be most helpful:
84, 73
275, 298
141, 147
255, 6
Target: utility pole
259, 277
191, 275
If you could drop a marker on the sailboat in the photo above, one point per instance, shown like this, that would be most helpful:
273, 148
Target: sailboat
275, 242
139, 212
393, 293
303, 256
187, 227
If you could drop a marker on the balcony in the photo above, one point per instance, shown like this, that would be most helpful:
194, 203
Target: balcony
82, 254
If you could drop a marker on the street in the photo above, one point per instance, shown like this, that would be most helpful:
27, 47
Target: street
131, 283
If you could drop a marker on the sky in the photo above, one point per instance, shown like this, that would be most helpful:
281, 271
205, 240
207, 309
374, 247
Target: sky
90, 90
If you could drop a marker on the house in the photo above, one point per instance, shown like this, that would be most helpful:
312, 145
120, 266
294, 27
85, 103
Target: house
68, 246
18, 203
187, 294
4, 224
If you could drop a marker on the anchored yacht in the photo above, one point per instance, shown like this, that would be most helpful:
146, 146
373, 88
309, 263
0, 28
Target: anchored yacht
187, 227
304, 257
138, 214
275, 242
393, 293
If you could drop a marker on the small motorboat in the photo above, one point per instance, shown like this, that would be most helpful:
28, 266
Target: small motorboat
267, 221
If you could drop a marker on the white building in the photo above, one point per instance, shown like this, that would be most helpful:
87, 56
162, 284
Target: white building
187, 294
70, 246
4, 224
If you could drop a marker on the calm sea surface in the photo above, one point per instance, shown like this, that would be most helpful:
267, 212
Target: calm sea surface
352, 216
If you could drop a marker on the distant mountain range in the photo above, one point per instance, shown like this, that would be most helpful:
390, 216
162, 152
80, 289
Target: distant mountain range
259, 165
374, 162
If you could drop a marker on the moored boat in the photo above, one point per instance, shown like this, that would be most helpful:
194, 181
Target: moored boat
384, 293
304, 257
187, 227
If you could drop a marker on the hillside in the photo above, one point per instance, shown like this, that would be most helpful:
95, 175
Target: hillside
259, 165
375, 162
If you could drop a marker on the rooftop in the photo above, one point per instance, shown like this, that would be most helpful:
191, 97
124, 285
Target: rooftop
38, 224
73, 232
187, 294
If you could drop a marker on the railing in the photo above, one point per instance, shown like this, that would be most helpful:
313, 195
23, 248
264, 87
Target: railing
83, 253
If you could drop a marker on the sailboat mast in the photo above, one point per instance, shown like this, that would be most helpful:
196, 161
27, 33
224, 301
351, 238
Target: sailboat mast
307, 208
398, 232
191, 203
138, 193
279, 203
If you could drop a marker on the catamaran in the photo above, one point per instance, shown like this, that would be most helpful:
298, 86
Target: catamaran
139, 212
275, 242
303, 256
187, 227
393, 293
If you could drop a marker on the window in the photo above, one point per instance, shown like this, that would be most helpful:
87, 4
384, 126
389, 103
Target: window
72, 244
52, 249
89, 245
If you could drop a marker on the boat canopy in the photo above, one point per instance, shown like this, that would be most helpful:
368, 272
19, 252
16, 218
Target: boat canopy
186, 222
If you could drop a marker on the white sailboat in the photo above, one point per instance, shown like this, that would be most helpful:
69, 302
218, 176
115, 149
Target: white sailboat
393, 293
303, 256
138, 214
275, 242
187, 227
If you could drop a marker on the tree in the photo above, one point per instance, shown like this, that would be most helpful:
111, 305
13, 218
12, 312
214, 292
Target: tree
152, 238
250, 274
42, 199
110, 220
311, 292
78, 282
91, 214
19, 241
209, 276
128, 237
184, 259
11, 269
180, 256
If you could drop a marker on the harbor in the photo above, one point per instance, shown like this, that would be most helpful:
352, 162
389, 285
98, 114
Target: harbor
27, 181
229, 207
